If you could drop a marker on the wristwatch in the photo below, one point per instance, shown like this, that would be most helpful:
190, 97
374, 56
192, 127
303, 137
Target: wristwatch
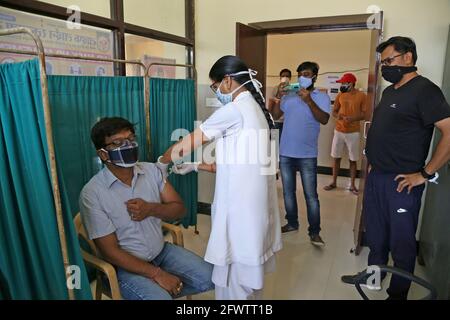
430, 177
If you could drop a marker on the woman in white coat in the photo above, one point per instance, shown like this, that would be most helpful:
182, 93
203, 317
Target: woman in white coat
245, 228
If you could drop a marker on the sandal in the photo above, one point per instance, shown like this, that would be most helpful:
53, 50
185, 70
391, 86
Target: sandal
354, 191
330, 187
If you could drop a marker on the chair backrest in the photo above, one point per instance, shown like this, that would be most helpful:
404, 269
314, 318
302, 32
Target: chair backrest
81, 233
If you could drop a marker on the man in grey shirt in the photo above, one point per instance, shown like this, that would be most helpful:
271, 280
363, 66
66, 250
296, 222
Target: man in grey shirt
122, 207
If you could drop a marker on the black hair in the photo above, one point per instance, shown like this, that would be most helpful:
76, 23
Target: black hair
309, 65
286, 70
107, 127
401, 45
231, 64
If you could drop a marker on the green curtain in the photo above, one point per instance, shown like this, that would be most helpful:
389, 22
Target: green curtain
77, 104
30, 259
172, 107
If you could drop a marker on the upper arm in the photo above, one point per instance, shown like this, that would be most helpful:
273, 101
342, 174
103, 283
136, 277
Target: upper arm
169, 194
224, 119
444, 126
166, 191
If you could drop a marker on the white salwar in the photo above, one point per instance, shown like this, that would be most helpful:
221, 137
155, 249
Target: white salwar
245, 229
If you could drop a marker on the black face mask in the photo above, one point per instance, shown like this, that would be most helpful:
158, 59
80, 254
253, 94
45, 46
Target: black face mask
125, 156
344, 88
394, 74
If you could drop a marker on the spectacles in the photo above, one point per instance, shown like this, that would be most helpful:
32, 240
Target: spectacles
388, 61
120, 142
214, 87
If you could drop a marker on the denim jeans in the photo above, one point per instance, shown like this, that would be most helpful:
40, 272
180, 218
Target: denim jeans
192, 270
308, 173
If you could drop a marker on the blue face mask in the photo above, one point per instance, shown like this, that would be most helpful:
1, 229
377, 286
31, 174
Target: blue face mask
305, 82
226, 98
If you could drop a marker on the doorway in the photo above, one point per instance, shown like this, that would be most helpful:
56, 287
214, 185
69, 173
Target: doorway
261, 37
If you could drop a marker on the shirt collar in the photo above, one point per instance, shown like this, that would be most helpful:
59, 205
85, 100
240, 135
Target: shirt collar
110, 178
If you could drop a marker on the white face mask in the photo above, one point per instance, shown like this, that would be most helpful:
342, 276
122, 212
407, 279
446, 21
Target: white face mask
228, 97
284, 80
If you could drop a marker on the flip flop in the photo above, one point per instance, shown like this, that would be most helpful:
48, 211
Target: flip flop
354, 191
330, 187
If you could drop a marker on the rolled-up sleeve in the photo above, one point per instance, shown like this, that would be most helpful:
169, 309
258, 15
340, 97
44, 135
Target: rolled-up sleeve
95, 220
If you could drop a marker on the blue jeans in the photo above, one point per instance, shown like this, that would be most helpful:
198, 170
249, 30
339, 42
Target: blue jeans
192, 270
308, 173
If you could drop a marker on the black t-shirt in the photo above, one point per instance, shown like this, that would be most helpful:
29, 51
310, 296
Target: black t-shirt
402, 127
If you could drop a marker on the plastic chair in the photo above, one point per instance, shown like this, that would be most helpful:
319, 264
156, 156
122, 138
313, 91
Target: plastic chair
105, 268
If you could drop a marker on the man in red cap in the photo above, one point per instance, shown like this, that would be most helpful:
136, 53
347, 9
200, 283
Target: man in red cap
349, 109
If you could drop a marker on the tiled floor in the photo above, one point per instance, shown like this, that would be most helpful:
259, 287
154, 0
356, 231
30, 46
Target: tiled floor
303, 271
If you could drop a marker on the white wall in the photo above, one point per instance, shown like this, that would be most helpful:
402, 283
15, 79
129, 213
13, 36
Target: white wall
427, 22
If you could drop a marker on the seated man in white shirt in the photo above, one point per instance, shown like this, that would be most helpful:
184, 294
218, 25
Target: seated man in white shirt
122, 207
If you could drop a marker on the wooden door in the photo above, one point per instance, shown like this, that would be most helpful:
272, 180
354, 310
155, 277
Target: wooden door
251, 47
373, 92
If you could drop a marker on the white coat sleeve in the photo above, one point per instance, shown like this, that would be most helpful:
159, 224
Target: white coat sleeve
222, 122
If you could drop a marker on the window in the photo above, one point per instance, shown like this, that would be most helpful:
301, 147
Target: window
151, 51
104, 25
97, 7
162, 15
58, 39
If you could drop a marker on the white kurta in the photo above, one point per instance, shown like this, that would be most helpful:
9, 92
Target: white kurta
245, 218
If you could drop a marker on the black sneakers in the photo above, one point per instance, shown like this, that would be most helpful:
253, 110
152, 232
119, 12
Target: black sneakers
364, 276
288, 228
317, 240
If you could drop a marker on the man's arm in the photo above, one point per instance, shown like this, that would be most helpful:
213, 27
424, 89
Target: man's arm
111, 252
207, 167
170, 208
320, 115
274, 107
336, 107
440, 157
442, 154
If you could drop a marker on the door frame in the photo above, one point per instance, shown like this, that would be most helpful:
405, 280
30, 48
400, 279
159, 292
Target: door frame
330, 24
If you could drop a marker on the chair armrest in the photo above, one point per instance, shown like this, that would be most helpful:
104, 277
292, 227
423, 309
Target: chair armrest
107, 269
175, 232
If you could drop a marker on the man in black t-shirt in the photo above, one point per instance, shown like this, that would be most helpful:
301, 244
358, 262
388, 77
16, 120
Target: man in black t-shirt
397, 147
